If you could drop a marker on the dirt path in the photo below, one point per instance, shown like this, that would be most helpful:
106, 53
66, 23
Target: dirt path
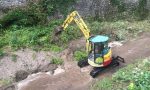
75, 78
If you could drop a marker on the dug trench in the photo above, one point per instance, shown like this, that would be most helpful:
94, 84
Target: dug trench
74, 78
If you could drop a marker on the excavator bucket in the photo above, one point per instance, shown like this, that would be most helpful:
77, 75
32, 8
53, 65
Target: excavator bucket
57, 31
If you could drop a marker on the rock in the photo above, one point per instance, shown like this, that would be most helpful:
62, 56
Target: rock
58, 71
27, 62
115, 44
8, 4
9, 87
46, 68
21, 75
102, 8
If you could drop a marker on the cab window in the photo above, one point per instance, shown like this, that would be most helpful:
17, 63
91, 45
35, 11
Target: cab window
98, 47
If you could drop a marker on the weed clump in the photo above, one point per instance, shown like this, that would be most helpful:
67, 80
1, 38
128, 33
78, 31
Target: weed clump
80, 55
57, 61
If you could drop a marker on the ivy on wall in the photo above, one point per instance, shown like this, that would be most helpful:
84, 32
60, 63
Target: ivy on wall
51, 6
141, 10
119, 4
35, 13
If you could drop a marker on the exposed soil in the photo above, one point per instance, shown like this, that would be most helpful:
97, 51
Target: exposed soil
26, 60
75, 78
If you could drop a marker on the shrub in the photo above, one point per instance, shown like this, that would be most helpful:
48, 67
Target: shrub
141, 11
55, 48
14, 58
138, 74
119, 4
31, 16
36, 36
104, 84
52, 6
35, 13
2, 42
2, 53
57, 61
80, 55
4, 82
71, 33
21, 17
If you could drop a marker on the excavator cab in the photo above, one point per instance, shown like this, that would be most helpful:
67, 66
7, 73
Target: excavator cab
98, 49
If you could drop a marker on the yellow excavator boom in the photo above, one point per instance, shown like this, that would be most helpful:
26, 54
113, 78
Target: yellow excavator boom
74, 16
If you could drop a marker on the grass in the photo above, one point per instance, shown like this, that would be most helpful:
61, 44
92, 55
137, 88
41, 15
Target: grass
14, 58
80, 55
54, 48
133, 77
40, 37
4, 82
57, 61
34, 56
2, 53
120, 30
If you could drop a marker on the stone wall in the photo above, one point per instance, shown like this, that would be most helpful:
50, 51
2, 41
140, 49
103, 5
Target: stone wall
93, 7
102, 7
84, 7
8, 4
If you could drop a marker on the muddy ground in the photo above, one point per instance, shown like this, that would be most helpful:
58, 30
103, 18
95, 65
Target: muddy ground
75, 78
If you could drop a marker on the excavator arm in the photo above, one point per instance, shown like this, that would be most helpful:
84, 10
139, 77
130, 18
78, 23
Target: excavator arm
74, 16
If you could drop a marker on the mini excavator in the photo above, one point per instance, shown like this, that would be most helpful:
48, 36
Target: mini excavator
99, 53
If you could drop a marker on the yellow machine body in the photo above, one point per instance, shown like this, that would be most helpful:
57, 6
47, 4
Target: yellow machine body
105, 61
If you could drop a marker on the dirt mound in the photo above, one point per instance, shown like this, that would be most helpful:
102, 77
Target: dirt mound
27, 60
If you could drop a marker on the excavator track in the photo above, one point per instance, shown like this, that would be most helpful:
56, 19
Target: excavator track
83, 63
115, 62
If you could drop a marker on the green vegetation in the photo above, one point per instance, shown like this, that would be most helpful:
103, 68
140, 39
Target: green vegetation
55, 48
133, 77
80, 55
5, 82
119, 4
14, 58
29, 27
120, 30
139, 12
35, 13
23, 17
2, 53
34, 56
40, 37
53, 6
57, 61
